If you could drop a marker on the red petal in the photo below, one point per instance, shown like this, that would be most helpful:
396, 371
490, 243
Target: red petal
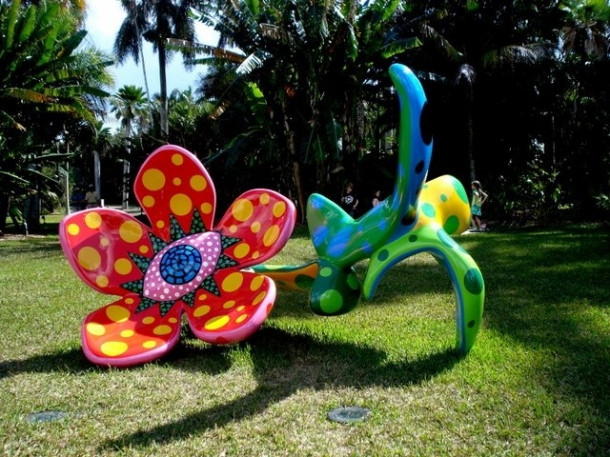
263, 220
245, 301
173, 181
97, 243
119, 336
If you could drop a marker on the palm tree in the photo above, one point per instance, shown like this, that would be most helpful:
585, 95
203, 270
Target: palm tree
47, 82
129, 107
588, 29
310, 60
156, 21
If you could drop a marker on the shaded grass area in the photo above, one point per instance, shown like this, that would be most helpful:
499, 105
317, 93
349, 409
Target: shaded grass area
535, 383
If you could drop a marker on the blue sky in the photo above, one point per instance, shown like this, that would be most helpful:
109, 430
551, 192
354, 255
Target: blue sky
104, 17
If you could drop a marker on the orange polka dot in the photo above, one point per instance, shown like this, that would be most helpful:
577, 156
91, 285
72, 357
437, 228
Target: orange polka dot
153, 179
89, 258
257, 283
123, 266
241, 250
143, 249
102, 281
129, 301
271, 235
181, 204
241, 318
93, 220
148, 320
232, 282
73, 229
256, 227
198, 183
217, 322
130, 231
177, 181
264, 199
259, 298
148, 201
177, 159
206, 208
229, 304
160, 224
279, 209
242, 209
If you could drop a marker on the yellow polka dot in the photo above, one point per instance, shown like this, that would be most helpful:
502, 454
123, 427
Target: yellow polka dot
113, 348
206, 208
255, 255
264, 199
256, 227
89, 258
173, 320
117, 313
162, 330
73, 229
229, 304
148, 201
153, 179
129, 301
259, 298
95, 329
181, 204
241, 318
198, 183
123, 266
177, 181
127, 333
279, 209
202, 297
102, 281
257, 283
143, 249
232, 282
201, 311
93, 220
242, 209
271, 235
148, 320
177, 159
216, 322
130, 232
104, 242
241, 308
160, 224
233, 229
149, 344
241, 250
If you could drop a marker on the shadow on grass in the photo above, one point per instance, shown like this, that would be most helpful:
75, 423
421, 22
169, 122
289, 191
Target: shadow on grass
298, 362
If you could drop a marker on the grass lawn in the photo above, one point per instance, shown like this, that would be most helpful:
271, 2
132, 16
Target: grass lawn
537, 382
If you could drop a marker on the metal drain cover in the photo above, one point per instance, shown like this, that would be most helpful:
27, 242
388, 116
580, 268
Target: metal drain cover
349, 414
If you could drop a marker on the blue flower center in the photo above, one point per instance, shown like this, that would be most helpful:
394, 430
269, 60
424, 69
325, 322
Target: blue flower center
180, 264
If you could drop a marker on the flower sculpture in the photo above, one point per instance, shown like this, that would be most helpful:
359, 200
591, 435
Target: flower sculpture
181, 265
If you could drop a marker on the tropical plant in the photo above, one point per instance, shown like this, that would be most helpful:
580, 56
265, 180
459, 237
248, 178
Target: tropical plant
156, 21
47, 83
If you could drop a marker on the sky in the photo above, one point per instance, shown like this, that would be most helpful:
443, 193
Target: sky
103, 20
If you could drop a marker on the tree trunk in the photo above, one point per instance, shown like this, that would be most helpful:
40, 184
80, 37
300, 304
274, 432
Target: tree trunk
163, 83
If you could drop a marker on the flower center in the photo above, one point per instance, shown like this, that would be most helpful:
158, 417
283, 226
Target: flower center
180, 264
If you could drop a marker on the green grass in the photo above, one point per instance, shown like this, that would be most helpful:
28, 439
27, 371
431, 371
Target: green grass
537, 382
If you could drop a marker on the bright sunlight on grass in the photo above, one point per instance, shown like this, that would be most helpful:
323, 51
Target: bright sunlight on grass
535, 384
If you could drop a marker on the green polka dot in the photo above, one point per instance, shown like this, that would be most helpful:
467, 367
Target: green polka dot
459, 189
471, 323
473, 281
444, 198
304, 281
413, 238
383, 255
326, 272
352, 281
331, 301
428, 210
451, 224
